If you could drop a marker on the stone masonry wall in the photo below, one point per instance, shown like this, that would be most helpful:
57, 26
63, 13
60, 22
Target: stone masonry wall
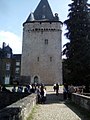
39, 58
7, 98
19, 110
81, 100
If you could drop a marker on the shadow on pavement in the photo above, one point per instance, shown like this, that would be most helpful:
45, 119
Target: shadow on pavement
53, 98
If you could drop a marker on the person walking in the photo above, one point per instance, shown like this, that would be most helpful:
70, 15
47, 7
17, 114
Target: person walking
57, 88
42, 93
70, 91
38, 95
65, 91
45, 93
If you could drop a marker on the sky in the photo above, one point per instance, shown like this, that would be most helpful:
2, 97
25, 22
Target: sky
13, 13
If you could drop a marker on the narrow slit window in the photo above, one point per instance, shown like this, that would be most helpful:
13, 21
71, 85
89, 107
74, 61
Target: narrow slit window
38, 59
50, 59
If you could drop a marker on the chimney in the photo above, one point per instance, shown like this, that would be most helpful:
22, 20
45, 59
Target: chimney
3, 45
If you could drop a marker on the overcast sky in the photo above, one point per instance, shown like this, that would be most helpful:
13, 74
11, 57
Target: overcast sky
13, 13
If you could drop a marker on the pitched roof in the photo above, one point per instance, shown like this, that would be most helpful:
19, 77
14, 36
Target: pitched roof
31, 17
42, 12
8, 49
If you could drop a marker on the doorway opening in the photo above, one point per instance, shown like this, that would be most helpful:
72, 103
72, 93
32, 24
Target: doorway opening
36, 80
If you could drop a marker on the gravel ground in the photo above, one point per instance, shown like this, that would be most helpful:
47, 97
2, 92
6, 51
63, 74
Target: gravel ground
54, 109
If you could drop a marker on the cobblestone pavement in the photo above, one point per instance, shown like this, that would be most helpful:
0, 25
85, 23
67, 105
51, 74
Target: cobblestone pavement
54, 109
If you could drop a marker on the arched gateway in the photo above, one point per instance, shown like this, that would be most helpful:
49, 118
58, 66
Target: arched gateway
36, 79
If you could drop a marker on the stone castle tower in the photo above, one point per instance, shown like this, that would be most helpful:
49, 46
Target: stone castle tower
41, 50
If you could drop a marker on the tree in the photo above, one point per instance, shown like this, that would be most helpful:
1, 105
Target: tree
77, 50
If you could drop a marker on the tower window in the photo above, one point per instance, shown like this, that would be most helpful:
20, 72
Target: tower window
43, 16
46, 41
17, 63
7, 66
8, 55
50, 59
38, 59
17, 70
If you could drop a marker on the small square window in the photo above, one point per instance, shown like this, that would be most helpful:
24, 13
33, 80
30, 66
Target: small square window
46, 41
8, 55
17, 69
17, 63
7, 66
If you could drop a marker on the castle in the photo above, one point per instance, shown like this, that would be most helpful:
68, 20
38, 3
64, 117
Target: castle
42, 45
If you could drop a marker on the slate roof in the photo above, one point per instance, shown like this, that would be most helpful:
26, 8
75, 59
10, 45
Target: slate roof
43, 12
17, 56
8, 49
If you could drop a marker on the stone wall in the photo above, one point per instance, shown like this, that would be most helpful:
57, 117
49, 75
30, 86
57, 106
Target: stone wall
41, 52
7, 98
19, 110
81, 100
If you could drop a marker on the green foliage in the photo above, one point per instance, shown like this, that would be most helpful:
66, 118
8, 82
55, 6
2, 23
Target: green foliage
32, 113
77, 50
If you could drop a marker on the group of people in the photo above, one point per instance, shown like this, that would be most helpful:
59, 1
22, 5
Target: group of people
40, 90
67, 90
4, 89
30, 88
41, 94
27, 89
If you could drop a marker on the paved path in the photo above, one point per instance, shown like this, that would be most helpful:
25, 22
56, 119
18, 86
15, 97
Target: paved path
54, 109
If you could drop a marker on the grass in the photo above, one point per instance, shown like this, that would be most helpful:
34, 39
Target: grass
32, 113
